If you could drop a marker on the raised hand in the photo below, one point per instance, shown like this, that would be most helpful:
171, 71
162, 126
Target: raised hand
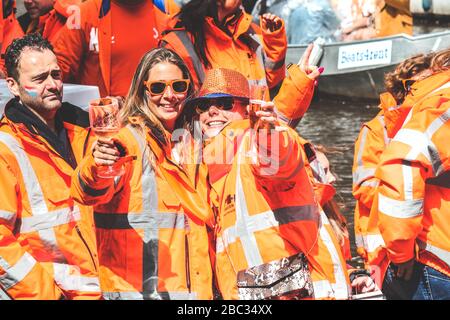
312, 72
271, 22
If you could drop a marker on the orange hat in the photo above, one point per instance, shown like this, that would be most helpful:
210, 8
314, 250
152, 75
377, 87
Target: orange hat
222, 83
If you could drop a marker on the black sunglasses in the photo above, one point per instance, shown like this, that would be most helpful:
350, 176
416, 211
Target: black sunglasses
226, 104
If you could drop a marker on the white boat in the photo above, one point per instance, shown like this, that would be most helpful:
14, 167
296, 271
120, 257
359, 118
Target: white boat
356, 69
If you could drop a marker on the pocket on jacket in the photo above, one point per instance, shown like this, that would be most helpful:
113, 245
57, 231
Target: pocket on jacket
287, 278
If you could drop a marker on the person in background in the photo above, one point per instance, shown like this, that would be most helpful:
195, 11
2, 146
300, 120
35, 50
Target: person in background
413, 193
151, 223
393, 17
213, 34
47, 17
329, 204
47, 240
378, 18
112, 38
373, 139
9, 30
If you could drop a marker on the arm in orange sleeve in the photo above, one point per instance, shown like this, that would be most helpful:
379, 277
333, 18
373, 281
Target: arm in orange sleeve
284, 174
294, 97
69, 47
21, 276
279, 155
368, 149
275, 48
401, 192
90, 189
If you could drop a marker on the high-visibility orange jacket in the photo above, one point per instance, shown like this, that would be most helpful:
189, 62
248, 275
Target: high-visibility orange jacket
393, 17
47, 240
64, 11
413, 193
151, 232
257, 54
84, 54
263, 60
10, 29
369, 146
324, 192
265, 215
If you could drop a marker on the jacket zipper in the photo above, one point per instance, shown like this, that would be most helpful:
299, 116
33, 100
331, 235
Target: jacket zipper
87, 247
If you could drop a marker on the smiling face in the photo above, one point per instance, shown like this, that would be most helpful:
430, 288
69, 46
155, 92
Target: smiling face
166, 106
39, 84
215, 118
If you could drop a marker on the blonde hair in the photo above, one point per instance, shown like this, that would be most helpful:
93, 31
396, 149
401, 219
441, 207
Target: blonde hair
137, 101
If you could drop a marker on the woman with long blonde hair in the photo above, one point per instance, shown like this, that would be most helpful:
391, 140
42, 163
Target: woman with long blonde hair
150, 222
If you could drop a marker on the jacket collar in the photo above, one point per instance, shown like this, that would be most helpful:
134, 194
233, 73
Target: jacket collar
26, 121
421, 89
235, 29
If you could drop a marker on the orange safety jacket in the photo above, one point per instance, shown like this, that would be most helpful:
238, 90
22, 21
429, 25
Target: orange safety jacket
84, 54
10, 29
393, 17
150, 223
369, 146
263, 60
64, 11
413, 193
257, 54
323, 191
47, 240
264, 219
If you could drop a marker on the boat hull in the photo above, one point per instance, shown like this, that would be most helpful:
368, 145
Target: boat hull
351, 73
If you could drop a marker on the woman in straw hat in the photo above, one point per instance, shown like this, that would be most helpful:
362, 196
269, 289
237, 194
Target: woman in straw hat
272, 241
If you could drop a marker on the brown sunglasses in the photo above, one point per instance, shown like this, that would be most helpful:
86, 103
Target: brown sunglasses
158, 87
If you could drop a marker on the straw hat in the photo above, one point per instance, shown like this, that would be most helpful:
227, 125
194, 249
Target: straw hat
222, 83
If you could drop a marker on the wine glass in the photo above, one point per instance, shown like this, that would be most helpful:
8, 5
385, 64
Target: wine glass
259, 92
105, 123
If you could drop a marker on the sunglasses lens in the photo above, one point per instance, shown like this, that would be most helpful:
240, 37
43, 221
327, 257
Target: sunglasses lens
157, 87
226, 104
180, 86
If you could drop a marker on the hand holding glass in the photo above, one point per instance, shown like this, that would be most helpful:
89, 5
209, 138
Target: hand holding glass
105, 123
258, 95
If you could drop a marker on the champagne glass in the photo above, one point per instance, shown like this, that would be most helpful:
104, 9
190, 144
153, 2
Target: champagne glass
259, 92
258, 95
105, 123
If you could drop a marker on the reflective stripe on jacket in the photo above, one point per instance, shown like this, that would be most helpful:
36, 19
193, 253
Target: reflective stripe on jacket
256, 54
264, 215
369, 146
413, 194
151, 234
47, 241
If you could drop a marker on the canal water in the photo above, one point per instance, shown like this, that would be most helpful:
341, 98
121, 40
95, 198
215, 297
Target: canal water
336, 124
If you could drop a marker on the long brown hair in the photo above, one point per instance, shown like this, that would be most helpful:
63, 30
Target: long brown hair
405, 70
441, 61
137, 102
